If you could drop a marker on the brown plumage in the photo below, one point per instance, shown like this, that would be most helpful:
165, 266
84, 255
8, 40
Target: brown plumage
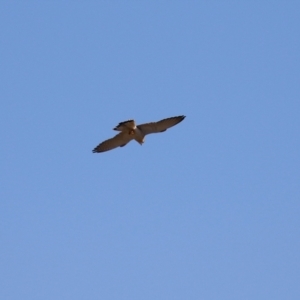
129, 131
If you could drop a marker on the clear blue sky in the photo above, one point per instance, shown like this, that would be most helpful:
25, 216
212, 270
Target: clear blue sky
209, 209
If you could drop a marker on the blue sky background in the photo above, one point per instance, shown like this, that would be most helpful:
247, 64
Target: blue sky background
207, 210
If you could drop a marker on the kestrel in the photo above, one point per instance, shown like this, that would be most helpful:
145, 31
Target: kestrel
130, 131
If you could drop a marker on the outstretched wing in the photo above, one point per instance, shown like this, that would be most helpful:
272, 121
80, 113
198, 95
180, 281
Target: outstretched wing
160, 126
119, 140
130, 124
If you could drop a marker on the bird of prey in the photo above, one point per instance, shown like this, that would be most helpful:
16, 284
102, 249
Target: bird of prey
131, 131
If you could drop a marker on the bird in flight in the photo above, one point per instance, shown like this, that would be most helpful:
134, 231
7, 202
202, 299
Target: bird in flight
130, 131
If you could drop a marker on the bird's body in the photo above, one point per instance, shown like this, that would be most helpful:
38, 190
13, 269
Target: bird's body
133, 130
130, 131
139, 136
